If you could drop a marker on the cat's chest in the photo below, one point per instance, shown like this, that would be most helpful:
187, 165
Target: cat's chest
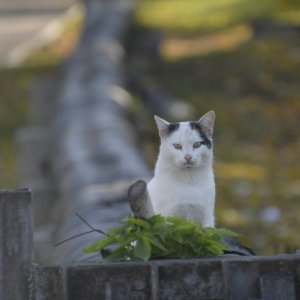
166, 194
179, 190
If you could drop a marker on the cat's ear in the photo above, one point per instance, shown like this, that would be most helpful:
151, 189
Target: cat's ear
207, 123
162, 125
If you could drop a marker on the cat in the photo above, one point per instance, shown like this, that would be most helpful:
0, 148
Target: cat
183, 182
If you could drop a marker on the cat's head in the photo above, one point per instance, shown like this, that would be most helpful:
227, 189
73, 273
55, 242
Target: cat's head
187, 144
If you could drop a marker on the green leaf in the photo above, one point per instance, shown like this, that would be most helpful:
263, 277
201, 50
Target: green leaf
138, 222
182, 229
162, 237
178, 237
116, 231
228, 233
142, 249
119, 254
180, 221
154, 241
219, 233
127, 240
156, 219
100, 244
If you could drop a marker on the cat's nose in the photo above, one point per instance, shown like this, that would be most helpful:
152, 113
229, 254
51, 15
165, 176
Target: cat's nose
188, 157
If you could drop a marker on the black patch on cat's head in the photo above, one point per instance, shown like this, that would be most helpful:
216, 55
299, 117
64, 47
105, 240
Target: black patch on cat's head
173, 127
206, 141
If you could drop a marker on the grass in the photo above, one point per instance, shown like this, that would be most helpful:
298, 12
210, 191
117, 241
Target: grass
253, 86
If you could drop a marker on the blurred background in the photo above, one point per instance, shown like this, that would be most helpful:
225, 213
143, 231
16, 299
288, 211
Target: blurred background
240, 58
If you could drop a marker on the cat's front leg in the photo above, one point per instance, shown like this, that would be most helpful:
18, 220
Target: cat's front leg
208, 220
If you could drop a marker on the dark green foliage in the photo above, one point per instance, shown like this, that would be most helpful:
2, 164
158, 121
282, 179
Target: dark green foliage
161, 237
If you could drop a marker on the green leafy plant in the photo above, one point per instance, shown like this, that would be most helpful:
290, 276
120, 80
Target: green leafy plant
161, 237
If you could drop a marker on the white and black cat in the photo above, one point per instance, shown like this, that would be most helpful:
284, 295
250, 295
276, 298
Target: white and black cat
183, 182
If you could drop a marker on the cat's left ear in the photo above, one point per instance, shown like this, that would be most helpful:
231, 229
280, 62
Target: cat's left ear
162, 125
207, 123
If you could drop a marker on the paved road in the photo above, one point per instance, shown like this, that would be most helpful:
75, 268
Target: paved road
21, 20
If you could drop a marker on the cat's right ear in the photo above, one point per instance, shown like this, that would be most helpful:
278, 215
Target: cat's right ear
207, 123
163, 126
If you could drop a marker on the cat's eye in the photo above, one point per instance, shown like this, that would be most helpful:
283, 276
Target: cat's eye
177, 146
197, 145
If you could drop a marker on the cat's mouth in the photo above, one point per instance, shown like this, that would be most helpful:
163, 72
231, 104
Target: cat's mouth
188, 164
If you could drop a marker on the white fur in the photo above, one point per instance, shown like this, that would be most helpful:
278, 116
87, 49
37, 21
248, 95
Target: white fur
181, 188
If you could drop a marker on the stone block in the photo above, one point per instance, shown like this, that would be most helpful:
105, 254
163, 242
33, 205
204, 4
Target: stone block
241, 279
48, 282
277, 287
16, 243
116, 281
262, 277
190, 279
278, 276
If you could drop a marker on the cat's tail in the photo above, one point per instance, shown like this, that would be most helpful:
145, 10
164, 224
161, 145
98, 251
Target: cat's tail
236, 248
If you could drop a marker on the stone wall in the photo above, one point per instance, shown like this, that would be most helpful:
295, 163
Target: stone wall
234, 278
228, 277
